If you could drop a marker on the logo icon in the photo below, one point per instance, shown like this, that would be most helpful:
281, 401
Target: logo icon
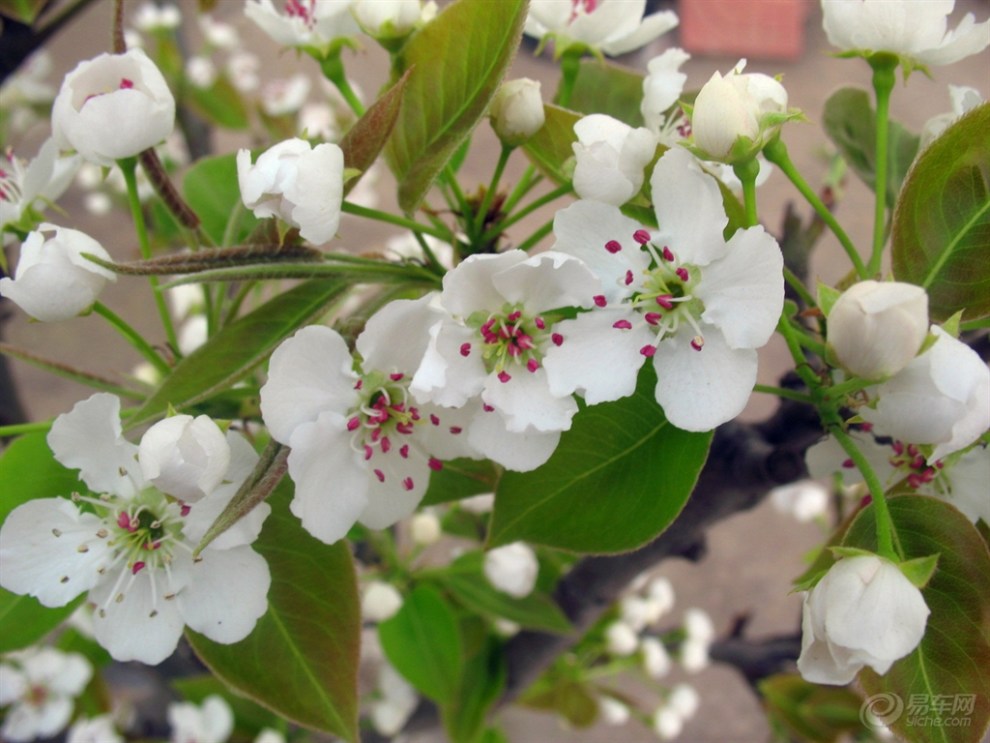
880, 711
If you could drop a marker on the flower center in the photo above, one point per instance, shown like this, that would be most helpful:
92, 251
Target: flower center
11, 177
910, 462
510, 340
147, 529
302, 9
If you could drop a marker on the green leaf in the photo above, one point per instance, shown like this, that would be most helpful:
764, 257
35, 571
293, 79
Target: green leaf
24, 11
210, 188
804, 711
954, 654
28, 470
618, 479
220, 103
301, 659
457, 62
466, 581
481, 683
607, 88
460, 478
238, 348
364, 141
941, 230
550, 149
850, 122
422, 641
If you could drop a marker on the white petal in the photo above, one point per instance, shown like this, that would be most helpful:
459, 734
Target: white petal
446, 436
548, 281
227, 594
309, 373
398, 491
397, 336
743, 293
596, 359
525, 402
652, 26
520, 452
446, 376
185, 457
469, 288
700, 390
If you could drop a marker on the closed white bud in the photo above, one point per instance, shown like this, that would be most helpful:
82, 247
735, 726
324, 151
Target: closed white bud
512, 569
185, 457
661, 591
381, 601
424, 528
621, 639
694, 655
656, 661
698, 625
667, 723
875, 328
684, 699
517, 111
613, 712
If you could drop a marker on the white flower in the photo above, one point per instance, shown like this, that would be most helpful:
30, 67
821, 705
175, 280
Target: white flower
942, 397
380, 601
613, 712
916, 31
610, 26
685, 700
500, 325
424, 528
739, 106
387, 19
667, 723
964, 100
656, 660
694, 655
39, 687
211, 722
201, 71
285, 95
512, 569
269, 735
639, 612
662, 88
698, 626
660, 591
864, 611
396, 701
317, 24
875, 328
44, 179
53, 281
100, 729
697, 306
131, 550
113, 106
153, 17
620, 638
301, 184
362, 448
243, 68
517, 110
609, 158
184, 456
805, 500
218, 34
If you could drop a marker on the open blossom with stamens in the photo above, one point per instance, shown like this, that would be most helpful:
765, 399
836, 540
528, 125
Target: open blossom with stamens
610, 26
699, 307
502, 314
662, 88
362, 447
316, 24
38, 688
132, 548
112, 107
28, 187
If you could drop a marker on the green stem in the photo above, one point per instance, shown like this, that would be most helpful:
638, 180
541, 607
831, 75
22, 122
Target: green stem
570, 65
527, 210
776, 152
529, 179
884, 66
486, 202
790, 336
18, 429
746, 171
885, 524
799, 288
333, 70
783, 392
128, 167
132, 337
349, 207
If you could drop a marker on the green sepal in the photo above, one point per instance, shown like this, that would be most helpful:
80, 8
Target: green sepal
920, 570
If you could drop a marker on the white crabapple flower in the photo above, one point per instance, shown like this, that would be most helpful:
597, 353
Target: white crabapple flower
512, 569
734, 116
131, 550
863, 612
27, 188
501, 322
320, 25
609, 158
53, 281
517, 111
362, 447
697, 306
662, 88
612, 27
915, 31
38, 688
301, 184
209, 722
112, 107
964, 99
389, 19
942, 397
99, 729
876, 327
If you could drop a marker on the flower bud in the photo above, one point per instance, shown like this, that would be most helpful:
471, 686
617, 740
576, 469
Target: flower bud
517, 111
53, 281
876, 328
381, 601
733, 108
613, 712
424, 528
512, 569
112, 107
621, 639
656, 660
387, 19
185, 457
